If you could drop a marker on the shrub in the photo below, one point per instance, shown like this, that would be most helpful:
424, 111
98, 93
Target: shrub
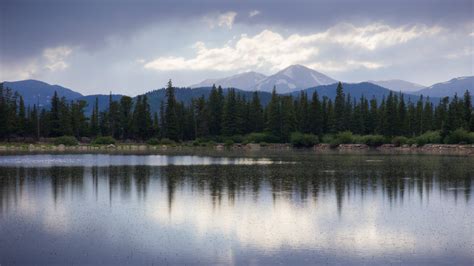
166, 141
428, 137
237, 138
411, 141
373, 140
228, 143
459, 136
327, 139
399, 141
153, 141
261, 137
66, 140
345, 137
103, 140
298, 139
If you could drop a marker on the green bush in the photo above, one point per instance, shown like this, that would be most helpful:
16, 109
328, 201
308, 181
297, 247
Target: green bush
66, 140
153, 141
103, 140
261, 137
460, 136
298, 139
411, 141
345, 137
373, 140
236, 138
428, 137
327, 138
228, 143
166, 141
399, 141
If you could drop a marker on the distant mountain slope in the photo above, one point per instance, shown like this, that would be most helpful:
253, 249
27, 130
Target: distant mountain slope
34, 91
356, 90
243, 81
398, 85
293, 78
103, 100
156, 97
449, 88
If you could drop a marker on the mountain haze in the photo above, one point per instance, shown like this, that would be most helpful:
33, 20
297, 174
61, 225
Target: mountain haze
243, 81
35, 91
357, 90
449, 88
398, 85
293, 78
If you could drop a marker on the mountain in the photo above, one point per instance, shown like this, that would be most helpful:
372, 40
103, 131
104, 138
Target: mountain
449, 88
398, 85
185, 95
103, 100
356, 90
244, 81
293, 78
35, 91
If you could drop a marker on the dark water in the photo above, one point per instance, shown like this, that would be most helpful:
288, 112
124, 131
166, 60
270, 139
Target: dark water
288, 209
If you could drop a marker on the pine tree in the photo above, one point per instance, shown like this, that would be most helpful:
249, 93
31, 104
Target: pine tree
339, 109
467, 106
202, 118
21, 130
274, 119
372, 117
427, 123
256, 118
125, 117
288, 118
229, 117
316, 115
94, 124
402, 125
216, 105
171, 118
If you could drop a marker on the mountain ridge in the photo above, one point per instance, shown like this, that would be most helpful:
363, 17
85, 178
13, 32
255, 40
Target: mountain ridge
448, 88
398, 85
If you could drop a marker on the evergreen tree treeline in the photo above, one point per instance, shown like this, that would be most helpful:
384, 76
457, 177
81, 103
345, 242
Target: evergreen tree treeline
233, 114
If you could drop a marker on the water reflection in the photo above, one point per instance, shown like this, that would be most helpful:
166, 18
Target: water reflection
328, 209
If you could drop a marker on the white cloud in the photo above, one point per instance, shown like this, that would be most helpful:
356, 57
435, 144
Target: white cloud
221, 19
467, 51
254, 13
339, 66
270, 50
374, 36
50, 60
55, 57
266, 49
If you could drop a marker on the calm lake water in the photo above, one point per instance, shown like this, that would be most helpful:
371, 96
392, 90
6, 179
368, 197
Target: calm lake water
297, 208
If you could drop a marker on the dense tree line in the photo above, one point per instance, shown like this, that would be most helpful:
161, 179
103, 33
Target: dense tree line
225, 115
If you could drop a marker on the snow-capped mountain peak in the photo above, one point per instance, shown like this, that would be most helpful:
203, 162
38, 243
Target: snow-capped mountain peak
294, 77
398, 85
244, 81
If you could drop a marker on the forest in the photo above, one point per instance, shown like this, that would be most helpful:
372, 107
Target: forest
304, 121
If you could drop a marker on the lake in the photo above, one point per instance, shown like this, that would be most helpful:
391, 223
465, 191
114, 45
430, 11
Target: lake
292, 208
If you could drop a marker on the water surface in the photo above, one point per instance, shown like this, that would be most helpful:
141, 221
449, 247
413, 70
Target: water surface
296, 208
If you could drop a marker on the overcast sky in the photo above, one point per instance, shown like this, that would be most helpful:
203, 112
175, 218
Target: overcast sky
129, 47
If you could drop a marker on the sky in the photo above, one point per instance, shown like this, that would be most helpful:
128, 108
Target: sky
130, 47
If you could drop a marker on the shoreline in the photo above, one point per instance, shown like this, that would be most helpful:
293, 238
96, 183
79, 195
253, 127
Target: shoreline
45, 148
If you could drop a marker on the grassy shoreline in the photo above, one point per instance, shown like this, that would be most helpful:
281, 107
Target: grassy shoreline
458, 149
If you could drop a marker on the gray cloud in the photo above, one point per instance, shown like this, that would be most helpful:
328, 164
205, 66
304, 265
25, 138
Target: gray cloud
99, 45
28, 26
